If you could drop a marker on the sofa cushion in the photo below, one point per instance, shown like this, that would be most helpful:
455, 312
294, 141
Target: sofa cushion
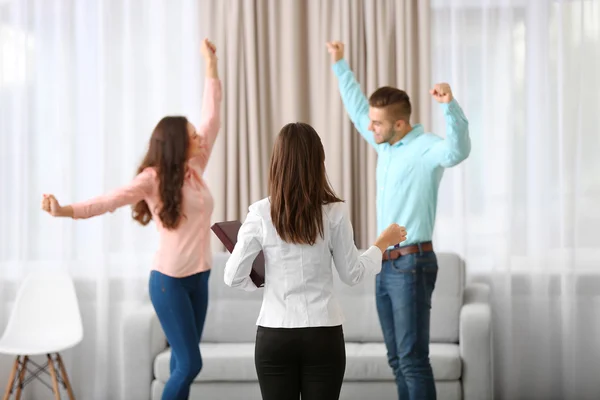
364, 362
368, 362
360, 311
221, 362
232, 313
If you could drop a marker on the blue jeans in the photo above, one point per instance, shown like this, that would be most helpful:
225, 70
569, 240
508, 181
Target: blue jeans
403, 289
181, 305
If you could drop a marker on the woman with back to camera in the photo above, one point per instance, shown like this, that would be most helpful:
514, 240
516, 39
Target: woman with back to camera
300, 347
170, 190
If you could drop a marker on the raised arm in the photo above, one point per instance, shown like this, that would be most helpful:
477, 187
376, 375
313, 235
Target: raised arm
352, 266
239, 264
355, 101
456, 147
211, 105
136, 190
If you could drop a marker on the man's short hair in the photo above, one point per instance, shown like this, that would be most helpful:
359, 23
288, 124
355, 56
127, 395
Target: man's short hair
396, 101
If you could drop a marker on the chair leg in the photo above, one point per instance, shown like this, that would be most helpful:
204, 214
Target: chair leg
63, 372
22, 377
54, 377
11, 379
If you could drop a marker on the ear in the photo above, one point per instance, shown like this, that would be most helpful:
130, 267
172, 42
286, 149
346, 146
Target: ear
399, 125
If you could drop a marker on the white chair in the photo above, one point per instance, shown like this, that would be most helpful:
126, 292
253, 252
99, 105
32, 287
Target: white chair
45, 321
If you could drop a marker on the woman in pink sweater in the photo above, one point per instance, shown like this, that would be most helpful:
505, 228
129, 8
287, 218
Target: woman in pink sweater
170, 190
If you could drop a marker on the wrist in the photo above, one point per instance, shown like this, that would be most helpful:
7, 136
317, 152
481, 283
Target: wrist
211, 68
65, 211
382, 245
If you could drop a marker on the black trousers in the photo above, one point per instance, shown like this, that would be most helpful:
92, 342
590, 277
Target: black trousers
301, 361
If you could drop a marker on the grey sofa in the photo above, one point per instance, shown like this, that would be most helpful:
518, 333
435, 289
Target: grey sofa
461, 345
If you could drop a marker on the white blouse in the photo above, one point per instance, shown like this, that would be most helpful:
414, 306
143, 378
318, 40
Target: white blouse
298, 290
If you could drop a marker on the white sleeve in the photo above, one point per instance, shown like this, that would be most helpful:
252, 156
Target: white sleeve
350, 264
239, 264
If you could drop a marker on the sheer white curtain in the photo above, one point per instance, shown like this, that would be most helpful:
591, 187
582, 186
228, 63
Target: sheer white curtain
524, 210
82, 84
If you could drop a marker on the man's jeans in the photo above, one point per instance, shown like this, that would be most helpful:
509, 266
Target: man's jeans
404, 288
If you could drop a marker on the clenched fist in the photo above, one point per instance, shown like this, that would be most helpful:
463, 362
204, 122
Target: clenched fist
336, 49
209, 51
391, 236
50, 205
394, 234
442, 93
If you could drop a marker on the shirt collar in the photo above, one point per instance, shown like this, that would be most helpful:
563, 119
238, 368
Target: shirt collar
416, 130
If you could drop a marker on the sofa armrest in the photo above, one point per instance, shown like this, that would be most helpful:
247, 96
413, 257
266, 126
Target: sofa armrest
475, 342
143, 340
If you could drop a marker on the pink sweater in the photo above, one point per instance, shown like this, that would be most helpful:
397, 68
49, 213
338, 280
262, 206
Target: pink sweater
185, 250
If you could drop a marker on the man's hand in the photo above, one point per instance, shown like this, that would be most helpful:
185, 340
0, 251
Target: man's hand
209, 51
442, 93
336, 49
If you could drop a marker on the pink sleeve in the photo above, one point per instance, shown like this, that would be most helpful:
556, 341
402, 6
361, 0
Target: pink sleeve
138, 189
211, 121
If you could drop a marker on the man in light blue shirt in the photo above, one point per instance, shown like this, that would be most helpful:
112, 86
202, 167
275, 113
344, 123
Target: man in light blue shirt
410, 166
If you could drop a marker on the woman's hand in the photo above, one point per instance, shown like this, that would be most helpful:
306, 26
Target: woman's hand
52, 207
391, 236
209, 51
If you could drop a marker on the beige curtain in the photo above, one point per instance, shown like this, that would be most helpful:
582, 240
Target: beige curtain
275, 70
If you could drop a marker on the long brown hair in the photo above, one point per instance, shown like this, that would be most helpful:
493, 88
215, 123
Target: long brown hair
298, 184
167, 153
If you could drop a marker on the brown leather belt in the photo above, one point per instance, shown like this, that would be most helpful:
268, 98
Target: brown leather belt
406, 250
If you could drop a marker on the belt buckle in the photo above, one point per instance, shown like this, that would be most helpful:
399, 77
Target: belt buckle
397, 250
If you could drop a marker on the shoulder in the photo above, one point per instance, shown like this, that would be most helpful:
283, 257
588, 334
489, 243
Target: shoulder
426, 141
197, 162
147, 178
148, 172
428, 138
336, 212
261, 208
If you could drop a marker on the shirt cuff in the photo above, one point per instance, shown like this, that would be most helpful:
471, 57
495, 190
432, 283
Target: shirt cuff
451, 108
340, 67
374, 253
78, 212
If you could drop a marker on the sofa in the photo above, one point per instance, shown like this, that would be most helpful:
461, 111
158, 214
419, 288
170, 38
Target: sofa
460, 349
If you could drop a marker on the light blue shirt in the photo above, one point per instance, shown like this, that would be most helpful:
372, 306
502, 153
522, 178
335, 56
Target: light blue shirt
409, 171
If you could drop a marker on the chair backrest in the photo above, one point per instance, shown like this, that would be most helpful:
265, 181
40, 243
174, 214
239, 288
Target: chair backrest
46, 311
232, 313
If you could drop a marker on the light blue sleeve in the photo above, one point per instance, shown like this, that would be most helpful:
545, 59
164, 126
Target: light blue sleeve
456, 147
355, 101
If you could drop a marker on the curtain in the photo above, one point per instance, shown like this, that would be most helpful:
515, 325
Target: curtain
277, 70
82, 85
523, 210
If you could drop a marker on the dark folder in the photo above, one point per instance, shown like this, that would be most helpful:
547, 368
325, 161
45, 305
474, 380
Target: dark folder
227, 233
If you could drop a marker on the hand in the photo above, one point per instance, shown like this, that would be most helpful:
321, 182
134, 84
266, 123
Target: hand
391, 236
336, 49
209, 51
442, 93
51, 206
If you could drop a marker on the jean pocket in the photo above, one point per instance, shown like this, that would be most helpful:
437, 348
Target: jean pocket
405, 264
